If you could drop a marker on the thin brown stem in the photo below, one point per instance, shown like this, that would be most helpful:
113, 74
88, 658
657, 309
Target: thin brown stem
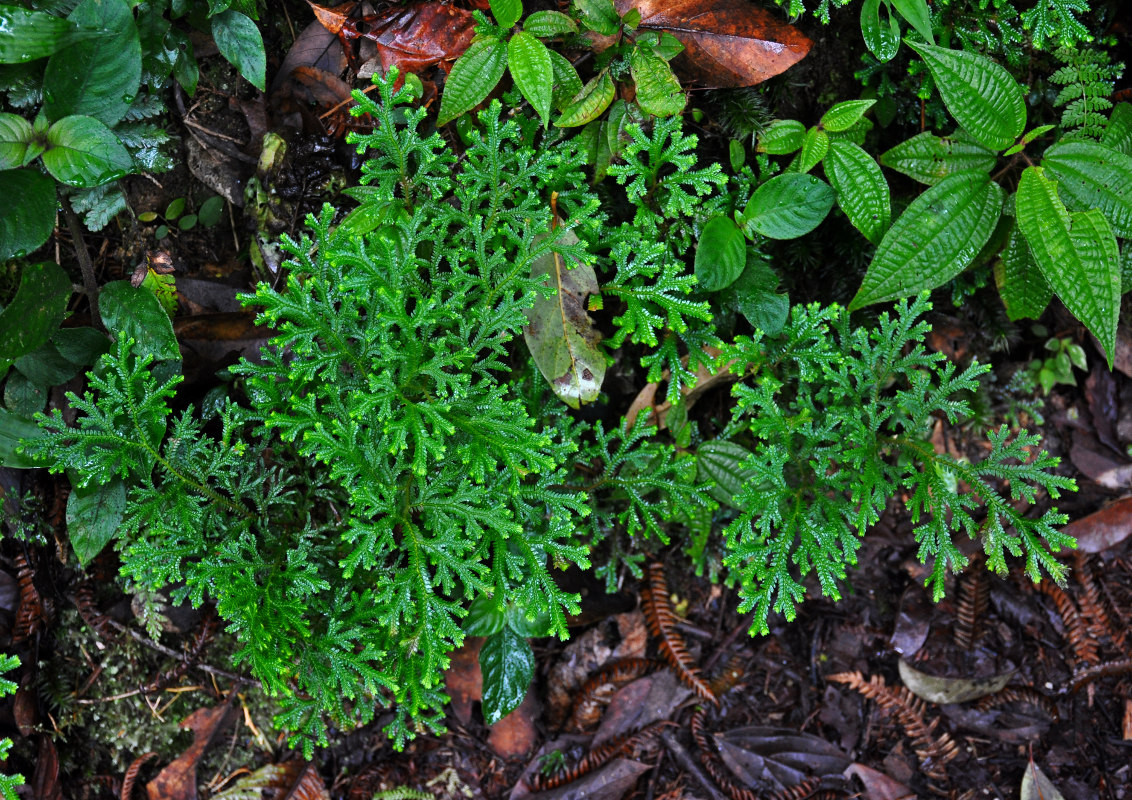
90, 283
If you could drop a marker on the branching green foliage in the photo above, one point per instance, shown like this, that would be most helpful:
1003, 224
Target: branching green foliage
837, 419
1056, 21
1087, 80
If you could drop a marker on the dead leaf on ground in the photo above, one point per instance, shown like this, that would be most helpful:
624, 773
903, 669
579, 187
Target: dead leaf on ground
944, 691
45, 781
1036, 786
1100, 392
778, 757
611, 782
463, 681
581, 656
1103, 529
913, 621
728, 43
1100, 464
178, 781
644, 701
515, 735
879, 786
315, 47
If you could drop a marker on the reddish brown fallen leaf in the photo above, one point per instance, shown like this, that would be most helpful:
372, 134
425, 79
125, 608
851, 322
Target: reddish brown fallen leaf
45, 782
515, 734
463, 681
728, 43
334, 18
316, 47
299, 780
879, 786
178, 781
1103, 529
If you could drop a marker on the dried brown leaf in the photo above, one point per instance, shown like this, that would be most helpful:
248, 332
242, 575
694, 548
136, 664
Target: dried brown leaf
1103, 529
178, 781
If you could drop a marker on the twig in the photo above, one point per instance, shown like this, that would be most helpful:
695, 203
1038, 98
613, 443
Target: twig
684, 759
90, 283
169, 651
727, 642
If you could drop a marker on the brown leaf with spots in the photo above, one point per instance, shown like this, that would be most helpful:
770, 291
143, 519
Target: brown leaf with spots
728, 43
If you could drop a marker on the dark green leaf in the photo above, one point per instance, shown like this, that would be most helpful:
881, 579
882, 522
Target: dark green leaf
517, 620
567, 84
16, 138
1094, 176
721, 254
722, 463
239, 41
485, 616
929, 159
862, 191
211, 210
175, 208
82, 151
757, 297
1021, 285
473, 77
548, 24
788, 206
882, 37
46, 366
815, 145
781, 137
13, 428
599, 15
1118, 133
844, 116
27, 35
80, 346
34, 313
508, 665
27, 211
136, 313
934, 240
96, 77
22, 396
917, 14
93, 517
533, 72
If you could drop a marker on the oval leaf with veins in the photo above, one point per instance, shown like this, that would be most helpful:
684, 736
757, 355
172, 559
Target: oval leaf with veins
560, 334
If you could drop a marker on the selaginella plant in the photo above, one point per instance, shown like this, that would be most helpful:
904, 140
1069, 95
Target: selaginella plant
389, 471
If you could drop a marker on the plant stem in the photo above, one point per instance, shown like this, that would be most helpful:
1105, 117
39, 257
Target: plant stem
85, 263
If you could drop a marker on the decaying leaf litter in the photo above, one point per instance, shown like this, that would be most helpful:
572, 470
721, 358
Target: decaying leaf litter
660, 693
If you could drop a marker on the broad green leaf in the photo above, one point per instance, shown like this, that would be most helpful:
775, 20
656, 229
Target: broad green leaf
16, 136
917, 14
93, 517
980, 94
756, 295
211, 211
1021, 285
96, 77
882, 37
736, 155
844, 116
781, 137
27, 35
46, 366
722, 463
473, 77
560, 334
81, 346
567, 84
517, 620
530, 65
1094, 176
862, 191
1076, 253
35, 312
599, 15
136, 313
668, 46
185, 68
814, 147
594, 98
788, 206
81, 151
13, 428
1118, 133
721, 254
506, 12
507, 665
23, 396
485, 616
548, 24
239, 41
658, 91
934, 240
27, 211
929, 159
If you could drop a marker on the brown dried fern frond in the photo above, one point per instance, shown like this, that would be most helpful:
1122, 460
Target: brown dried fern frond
605, 752
132, 775
973, 597
1020, 694
1086, 675
933, 749
1085, 648
1097, 606
662, 624
89, 611
31, 614
601, 685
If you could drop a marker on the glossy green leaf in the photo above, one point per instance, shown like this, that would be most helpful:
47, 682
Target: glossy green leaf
26, 35
1021, 285
13, 428
23, 396
16, 135
844, 116
473, 77
529, 61
81, 346
517, 620
862, 191
736, 155
485, 616
756, 295
560, 335
599, 15
980, 94
93, 517
781, 137
1118, 133
1077, 253
96, 77
211, 211
1094, 176
506, 12
46, 366
588, 105
721, 254
239, 41
881, 36
27, 211
136, 313
35, 312
722, 464
788, 206
929, 159
934, 240
815, 145
548, 24
507, 665
668, 46
658, 91
81, 151
567, 84
917, 14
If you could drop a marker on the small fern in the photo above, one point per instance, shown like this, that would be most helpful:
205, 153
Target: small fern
1087, 80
